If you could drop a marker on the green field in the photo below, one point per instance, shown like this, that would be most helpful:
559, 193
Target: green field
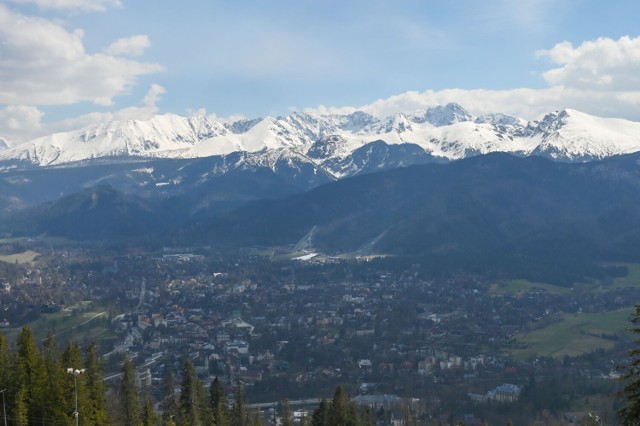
574, 334
28, 256
631, 280
79, 323
515, 287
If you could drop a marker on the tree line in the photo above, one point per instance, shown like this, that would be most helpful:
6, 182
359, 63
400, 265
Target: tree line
41, 385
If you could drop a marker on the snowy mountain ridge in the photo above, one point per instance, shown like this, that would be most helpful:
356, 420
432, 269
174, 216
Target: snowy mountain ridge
328, 141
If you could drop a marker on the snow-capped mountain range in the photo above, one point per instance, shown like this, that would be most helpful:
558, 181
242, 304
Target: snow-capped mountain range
329, 141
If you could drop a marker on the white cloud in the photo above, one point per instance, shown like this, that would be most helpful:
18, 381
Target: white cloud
153, 96
83, 5
145, 111
19, 123
129, 46
17, 120
526, 103
600, 77
602, 64
202, 112
42, 63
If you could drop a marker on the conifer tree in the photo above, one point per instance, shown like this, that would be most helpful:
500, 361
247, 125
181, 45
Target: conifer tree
169, 403
54, 403
630, 413
20, 412
218, 403
238, 411
128, 395
5, 374
320, 416
149, 416
30, 377
96, 412
188, 413
339, 408
5, 367
204, 409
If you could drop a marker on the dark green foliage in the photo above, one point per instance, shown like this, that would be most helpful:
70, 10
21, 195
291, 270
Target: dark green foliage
54, 406
149, 416
170, 402
339, 412
194, 404
96, 413
128, 395
188, 413
204, 409
339, 408
320, 416
31, 376
239, 415
630, 413
39, 390
218, 403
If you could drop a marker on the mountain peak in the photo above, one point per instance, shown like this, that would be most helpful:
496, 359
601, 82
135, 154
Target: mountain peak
442, 115
447, 131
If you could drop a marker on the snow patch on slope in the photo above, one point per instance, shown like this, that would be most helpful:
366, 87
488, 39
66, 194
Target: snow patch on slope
444, 131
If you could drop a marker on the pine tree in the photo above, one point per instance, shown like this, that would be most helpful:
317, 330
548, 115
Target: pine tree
204, 409
97, 413
188, 412
5, 357
21, 408
5, 375
630, 413
128, 395
238, 411
149, 416
54, 403
338, 414
169, 403
320, 416
218, 403
31, 379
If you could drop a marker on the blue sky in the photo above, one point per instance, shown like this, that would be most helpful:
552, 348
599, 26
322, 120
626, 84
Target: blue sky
65, 64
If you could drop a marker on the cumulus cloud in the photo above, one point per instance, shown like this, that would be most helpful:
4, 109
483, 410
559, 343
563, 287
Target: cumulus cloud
83, 5
146, 110
600, 77
43, 63
202, 112
129, 46
602, 64
21, 122
18, 120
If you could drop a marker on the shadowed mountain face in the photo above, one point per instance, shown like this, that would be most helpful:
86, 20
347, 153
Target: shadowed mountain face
495, 211
483, 205
99, 213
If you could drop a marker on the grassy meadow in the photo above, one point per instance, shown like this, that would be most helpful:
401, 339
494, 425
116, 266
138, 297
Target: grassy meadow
79, 323
574, 334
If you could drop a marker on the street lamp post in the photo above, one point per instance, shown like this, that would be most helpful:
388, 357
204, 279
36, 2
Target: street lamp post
4, 408
75, 372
